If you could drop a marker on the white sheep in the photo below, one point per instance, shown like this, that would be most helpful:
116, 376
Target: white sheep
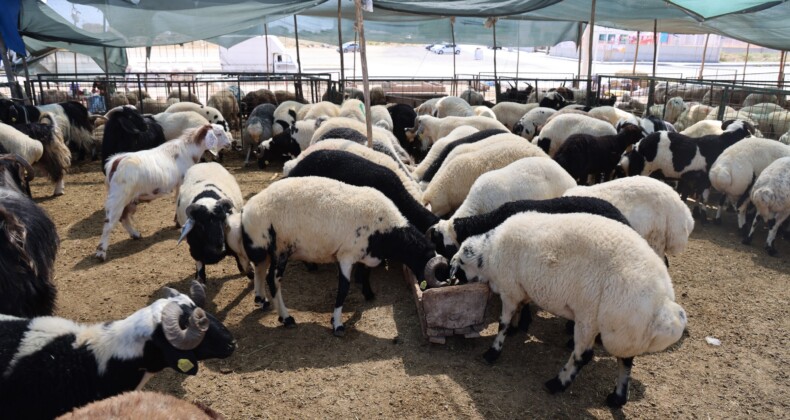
611, 114
736, 169
439, 145
529, 125
463, 145
141, 405
587, 268
427, 107
756, 98
354, 109
771, 196
211, 114
452, 106
314, 111
652, 207
383, 140
508, 113
671, 111
381, 117
472, 97
559, 128
429, 129
174, 124
207, 202
696, 112
779, 123
452, 182
703, 128
146, 175
366, 227
483, 111
532, 178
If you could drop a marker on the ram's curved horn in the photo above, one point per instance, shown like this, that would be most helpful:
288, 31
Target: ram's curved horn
192, 335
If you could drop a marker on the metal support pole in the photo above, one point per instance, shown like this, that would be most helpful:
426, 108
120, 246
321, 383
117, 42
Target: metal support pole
455, 74
364, 58
590, 54
340, 44
266, 44
655, 45
746, 60
579, 48
298, 85
28, 84
636, 53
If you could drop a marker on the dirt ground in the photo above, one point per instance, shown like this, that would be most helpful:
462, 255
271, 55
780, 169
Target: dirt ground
384, 367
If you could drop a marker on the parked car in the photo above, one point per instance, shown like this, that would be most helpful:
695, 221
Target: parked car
349, 47
491, 47
446, 48
429, 46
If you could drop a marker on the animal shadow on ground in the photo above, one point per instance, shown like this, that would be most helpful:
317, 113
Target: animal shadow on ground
128, 247
89, 227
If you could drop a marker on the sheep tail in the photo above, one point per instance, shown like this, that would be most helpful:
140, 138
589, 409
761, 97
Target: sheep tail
721, 177
57, 157
764, 196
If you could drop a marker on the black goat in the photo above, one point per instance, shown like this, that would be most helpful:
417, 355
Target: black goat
128, 131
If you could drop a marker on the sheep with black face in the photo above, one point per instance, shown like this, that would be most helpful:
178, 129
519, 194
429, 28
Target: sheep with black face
209, 209
52, 365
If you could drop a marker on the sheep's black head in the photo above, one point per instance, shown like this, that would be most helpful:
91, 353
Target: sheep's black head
745, 128
553, 100
9, 112
280, 148
205, 227
467, 263
186, 335
441, 241
130, 120
631, 163
16, 262
16, 173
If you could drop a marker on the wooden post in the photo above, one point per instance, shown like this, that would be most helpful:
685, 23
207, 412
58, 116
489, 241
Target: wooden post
636, 53
28, 84
655, 45
354, 74
704, 52
340, 43
590, 54
298, 85
579, 48
496, 80
364, 58
782, 58
746, 60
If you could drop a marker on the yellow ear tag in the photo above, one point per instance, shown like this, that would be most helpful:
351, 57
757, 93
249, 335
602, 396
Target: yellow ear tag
185, 365
423, 285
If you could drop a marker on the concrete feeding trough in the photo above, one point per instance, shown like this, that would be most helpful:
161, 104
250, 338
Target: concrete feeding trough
451, 310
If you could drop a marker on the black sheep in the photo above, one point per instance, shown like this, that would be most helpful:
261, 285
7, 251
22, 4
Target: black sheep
472, 138
403, 117
28, 245
583, 155
128, 131
11, 113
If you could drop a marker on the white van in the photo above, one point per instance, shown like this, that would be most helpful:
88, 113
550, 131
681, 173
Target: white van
250, 56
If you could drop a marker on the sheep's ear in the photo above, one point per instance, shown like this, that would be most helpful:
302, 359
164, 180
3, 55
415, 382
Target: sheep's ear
226, 205
211, 140
319, 121
13, 233
292, 113
169, 292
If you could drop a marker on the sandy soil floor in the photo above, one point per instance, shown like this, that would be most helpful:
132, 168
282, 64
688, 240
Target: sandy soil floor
383, 367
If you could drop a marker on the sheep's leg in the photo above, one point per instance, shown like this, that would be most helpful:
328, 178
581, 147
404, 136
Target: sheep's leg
583, 338
509, 308
344, 283
722, 205
362, 275
702, 205
247, 159
243, 264
777, 221
114, 206
60, 185
742, 214
520, 323
748, 238
200, 271
128, 222
259, 277
273, 279
619, 397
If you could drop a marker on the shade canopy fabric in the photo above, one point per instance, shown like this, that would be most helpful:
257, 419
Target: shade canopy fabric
469, 8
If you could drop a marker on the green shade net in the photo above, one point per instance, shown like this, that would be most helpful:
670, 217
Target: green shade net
320, 24
116, 57
707, 9
469, 8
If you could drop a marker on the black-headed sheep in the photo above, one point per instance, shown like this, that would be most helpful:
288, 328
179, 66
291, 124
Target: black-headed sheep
279, 223
208, 208
128, 131
593, 157
613, 284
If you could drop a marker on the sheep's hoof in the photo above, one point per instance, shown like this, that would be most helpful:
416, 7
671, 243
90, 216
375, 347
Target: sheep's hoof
747, 240
136, 236
717, 221
339, 331
771, 250
101, 255
57, 193
289, 322
554, 385
616, 401
491, 355
262, 304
